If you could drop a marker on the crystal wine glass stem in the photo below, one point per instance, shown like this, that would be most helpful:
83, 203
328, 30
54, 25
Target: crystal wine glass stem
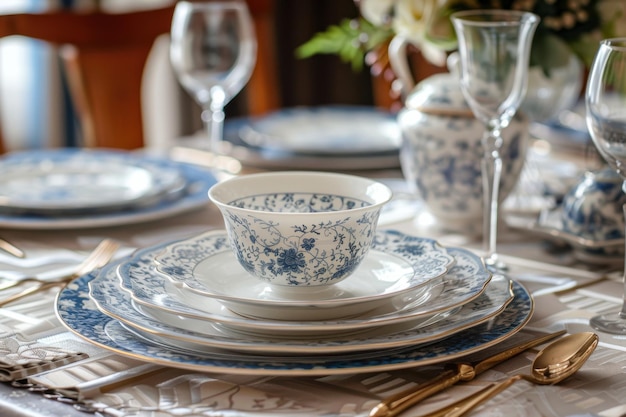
214, 125
622, 313
213, 118
492, 173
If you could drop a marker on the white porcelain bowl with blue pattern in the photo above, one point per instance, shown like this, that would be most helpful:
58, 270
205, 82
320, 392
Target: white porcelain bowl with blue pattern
298, 229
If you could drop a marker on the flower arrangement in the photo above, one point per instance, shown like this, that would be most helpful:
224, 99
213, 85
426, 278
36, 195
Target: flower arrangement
567, 27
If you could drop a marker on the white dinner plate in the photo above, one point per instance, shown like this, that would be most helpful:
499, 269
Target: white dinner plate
330, 130
76, 181
331, 159
80, 315
193, 196
396, 264
156, 296
118, 304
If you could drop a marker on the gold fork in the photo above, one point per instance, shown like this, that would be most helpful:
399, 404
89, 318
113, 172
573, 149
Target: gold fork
100, 256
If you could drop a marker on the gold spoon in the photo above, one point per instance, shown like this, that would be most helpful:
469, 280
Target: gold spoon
557, 361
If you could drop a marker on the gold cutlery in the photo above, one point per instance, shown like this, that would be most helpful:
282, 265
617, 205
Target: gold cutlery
11, 249
557, 361
462, 371
100, 256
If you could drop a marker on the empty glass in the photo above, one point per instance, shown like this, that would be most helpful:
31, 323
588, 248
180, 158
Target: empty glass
605, 99
213, 52
494, 49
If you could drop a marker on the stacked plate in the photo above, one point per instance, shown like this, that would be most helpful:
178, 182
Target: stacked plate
347, 130
69, 188
320, 138
190, 304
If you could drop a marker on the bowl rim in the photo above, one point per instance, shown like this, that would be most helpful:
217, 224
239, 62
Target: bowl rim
382, 194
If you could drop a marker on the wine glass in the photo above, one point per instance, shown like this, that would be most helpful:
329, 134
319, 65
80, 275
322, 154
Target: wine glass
494, 50
213, 53
605, 99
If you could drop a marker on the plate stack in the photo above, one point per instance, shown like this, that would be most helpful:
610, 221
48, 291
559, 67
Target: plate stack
320, 138
190, 304
74, 188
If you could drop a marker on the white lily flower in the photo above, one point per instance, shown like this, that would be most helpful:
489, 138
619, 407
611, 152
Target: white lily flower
414, 19
376, 12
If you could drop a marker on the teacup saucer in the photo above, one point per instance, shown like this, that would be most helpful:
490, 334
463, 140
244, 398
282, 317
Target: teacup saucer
156, 296
397, 264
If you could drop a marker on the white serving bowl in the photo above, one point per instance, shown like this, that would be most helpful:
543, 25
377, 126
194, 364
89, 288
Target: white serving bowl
297, 229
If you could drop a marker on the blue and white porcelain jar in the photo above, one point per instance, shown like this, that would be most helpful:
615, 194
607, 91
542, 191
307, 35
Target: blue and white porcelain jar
593, 210
441, 153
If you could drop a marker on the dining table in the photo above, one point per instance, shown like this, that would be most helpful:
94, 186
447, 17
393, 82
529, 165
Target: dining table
48, 370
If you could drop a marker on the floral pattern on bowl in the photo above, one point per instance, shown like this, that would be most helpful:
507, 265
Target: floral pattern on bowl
298, 202
298, 255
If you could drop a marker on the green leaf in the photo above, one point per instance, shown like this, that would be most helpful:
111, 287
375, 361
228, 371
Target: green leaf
350, 40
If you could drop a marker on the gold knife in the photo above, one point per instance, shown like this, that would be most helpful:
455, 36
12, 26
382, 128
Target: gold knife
461, 371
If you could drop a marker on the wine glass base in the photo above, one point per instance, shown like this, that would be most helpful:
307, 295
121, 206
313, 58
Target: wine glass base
495, 264
613, 323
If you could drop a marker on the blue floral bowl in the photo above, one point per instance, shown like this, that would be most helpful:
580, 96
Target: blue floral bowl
300, 229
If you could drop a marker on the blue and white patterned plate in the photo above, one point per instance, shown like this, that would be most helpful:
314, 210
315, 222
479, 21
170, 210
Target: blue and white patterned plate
193, 196
327, 130
396, 264
262, 157
79, 314
65, 181
155, 295
118, 304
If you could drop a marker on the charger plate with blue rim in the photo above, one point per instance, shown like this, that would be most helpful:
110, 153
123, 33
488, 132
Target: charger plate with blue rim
80, 315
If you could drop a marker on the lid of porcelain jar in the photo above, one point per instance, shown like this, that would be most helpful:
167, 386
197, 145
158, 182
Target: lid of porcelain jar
439, 94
